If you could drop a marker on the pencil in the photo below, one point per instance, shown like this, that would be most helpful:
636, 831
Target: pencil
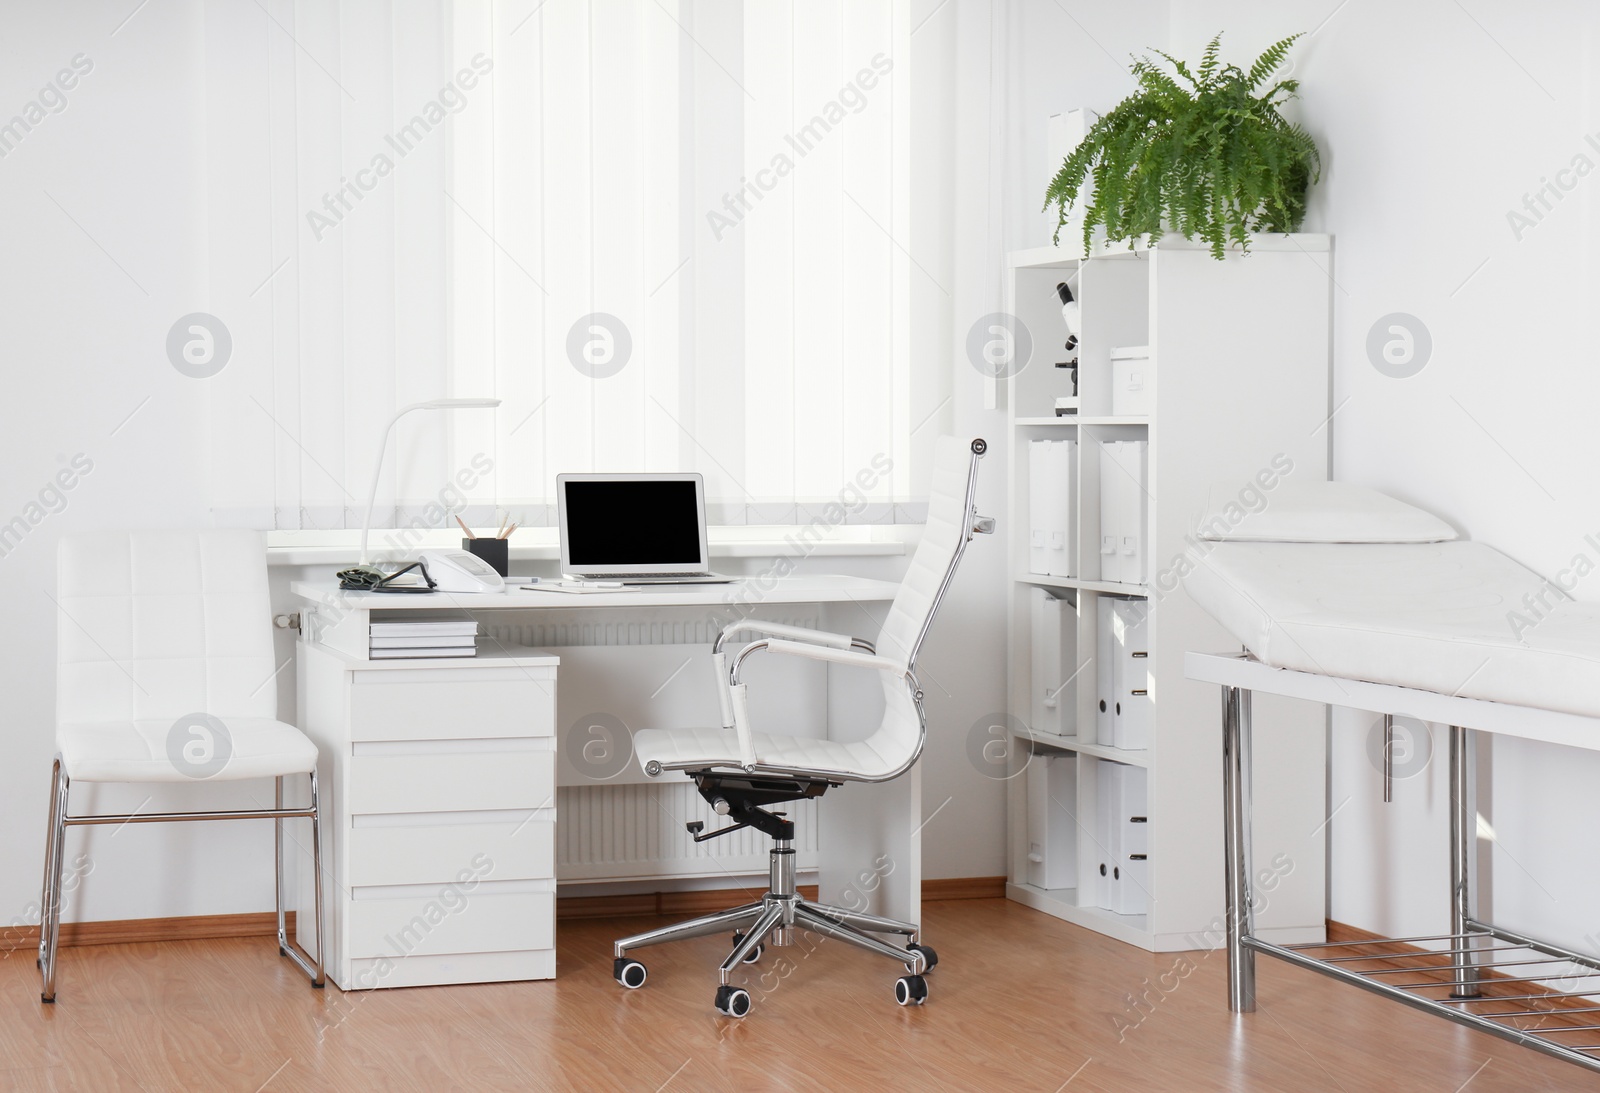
465, 528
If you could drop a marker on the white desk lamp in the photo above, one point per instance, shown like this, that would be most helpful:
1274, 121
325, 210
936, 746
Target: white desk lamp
377, 468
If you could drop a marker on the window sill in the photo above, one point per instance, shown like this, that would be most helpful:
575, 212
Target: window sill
292, 548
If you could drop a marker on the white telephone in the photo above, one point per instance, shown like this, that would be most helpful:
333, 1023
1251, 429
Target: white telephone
461, 571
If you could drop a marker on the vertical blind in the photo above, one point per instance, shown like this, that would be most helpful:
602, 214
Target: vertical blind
669, 235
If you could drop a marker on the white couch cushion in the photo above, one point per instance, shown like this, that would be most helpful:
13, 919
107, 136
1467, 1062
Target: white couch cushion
1458, 618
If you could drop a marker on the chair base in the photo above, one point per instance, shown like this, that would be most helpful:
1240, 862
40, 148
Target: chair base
773, 918
50, 900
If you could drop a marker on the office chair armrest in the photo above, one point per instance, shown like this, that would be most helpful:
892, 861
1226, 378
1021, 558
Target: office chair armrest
795, 634
815, 652
792, 633
735, 705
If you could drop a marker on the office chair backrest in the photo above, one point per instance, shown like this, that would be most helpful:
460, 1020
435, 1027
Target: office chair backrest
897, 742
158, 624
949, 529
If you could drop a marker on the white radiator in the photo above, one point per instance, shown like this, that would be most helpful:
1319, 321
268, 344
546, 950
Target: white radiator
627, 828
636, 832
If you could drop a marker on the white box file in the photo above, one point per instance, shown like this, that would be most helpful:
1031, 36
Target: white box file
1135, 705
1054, 692
1124, 510
1133, 375
1133, 883
1123, 873
1052, 821
1105, 668
1052, 511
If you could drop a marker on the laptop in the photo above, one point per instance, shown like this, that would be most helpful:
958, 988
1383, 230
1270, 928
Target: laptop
634, 528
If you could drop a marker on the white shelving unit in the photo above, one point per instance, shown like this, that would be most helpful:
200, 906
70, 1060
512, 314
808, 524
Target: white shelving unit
1240, 350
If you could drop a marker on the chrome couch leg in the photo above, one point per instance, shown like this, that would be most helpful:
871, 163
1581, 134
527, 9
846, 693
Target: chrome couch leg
1236, 848
1463, 840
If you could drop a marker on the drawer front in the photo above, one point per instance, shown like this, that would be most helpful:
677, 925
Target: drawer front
452, 920
444, 704
368, 973
439, 853
459, 782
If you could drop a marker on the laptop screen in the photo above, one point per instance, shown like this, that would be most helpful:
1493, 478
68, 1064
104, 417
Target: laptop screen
632, 523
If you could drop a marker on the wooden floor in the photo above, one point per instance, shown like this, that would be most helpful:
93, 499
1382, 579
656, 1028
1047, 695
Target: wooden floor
1020, 1001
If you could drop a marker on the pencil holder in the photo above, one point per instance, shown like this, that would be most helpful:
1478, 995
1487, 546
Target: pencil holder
497, 552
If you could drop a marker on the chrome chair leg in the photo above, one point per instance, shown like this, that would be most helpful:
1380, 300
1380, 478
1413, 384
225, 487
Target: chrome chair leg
287, 946
861, 921
812, 919
277, 866
321, 978
695, 927
50, 906
771, 919
49, 856
55, 855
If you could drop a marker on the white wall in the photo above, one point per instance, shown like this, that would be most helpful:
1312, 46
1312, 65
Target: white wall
1435, 119
102, 247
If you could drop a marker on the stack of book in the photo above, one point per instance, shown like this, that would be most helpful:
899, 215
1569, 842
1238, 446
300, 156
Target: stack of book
429, 637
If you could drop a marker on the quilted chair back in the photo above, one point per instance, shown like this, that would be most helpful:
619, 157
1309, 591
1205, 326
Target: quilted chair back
158, 624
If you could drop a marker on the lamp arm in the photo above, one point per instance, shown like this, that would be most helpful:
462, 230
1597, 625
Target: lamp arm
383, 447
377, 474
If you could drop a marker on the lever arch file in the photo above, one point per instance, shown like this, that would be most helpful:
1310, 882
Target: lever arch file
1124, 510
1052, 511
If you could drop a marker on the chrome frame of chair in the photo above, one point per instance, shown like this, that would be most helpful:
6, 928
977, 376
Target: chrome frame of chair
774, 917
55, 853
782, 908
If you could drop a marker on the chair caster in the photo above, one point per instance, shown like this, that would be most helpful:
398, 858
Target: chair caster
754, 954
733, 1001
928, 953
630, 973
911, 990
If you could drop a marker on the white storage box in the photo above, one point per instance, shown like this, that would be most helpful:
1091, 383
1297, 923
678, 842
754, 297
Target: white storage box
1133, 376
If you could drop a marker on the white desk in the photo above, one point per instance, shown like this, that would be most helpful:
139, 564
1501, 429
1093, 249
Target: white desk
432, 765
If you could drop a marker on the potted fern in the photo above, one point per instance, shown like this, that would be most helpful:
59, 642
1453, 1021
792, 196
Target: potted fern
1210, 157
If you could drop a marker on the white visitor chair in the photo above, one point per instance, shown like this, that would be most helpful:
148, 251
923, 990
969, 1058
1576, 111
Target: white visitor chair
739, 769
165, 673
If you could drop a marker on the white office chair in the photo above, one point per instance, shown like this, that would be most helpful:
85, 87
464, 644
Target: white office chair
738, 770
165, 673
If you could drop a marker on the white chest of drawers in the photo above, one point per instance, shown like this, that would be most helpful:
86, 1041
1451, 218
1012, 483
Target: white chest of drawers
438, 799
